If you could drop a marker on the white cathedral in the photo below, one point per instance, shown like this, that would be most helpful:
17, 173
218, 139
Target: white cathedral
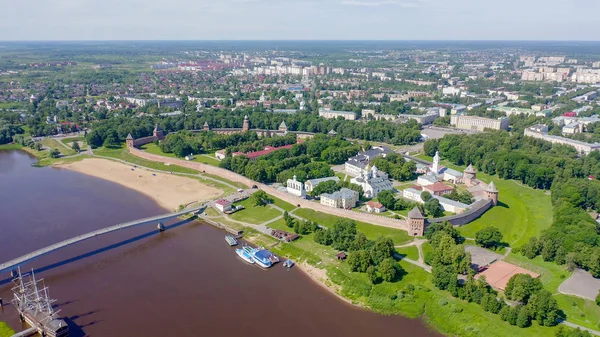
373, 181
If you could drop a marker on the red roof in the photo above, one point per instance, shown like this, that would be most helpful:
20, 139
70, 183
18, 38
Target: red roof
438, 187
570, 114
269, 149
223, 202
374, 204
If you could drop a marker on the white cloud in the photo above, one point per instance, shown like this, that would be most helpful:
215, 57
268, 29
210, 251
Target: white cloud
367, 3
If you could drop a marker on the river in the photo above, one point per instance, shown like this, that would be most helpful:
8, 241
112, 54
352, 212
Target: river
138, 282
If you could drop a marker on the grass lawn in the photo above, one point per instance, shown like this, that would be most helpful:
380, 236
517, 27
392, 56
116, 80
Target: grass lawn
123, 154
236, 184
371, 231
427, 251
154, 149
580, 311
72, 139
449, 315
5, 330
282, 204
523, 212
212, 212
410, 252
254, 214
280, 224
10, 147
54, 144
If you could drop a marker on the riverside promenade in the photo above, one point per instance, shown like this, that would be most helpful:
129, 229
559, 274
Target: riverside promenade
232, 176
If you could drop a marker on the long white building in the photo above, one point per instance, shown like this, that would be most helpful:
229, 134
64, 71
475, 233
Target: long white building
478, 123
540, 131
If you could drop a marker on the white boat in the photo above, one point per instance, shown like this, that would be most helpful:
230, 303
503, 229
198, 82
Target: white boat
243, 253
262, 257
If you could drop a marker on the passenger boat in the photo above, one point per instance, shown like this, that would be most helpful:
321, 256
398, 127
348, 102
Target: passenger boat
244, 254
231, 240
262, 257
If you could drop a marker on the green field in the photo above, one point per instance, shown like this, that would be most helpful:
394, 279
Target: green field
523, 212
54, 144
10, 147
254, 214
123, 154
73, 139
371, 231
206, 159
5, 330
410, 252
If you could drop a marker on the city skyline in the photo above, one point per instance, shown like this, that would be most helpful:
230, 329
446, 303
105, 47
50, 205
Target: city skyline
299, 20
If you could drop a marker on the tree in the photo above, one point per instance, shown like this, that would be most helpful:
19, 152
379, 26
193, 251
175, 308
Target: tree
372, 274
433, 208
343, 234
359, 261
389, 269
260, 198
443, 276
523, 317
425, 196
598, 299
544, 308
75, 146
382, 249
521, 287
488, 237
54, 153
111, 140
386, 198
323, 237
329, 187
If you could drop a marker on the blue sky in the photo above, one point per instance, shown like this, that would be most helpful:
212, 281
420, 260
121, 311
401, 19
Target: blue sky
300, 19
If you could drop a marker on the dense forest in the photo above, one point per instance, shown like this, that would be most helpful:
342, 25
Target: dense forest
382, 131
574, 237
306, 160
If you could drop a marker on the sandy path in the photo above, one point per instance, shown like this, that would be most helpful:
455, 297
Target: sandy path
166, 189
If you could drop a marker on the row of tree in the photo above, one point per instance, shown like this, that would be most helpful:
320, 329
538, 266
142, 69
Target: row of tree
376, 258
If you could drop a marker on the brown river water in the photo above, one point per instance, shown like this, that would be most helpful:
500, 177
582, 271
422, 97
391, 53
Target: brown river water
185, 281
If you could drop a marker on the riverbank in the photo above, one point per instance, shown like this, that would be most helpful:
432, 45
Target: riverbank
169, 191
5, 330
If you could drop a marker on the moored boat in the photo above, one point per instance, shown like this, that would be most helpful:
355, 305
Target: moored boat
262, 257
231, 240
244, 254
288, 263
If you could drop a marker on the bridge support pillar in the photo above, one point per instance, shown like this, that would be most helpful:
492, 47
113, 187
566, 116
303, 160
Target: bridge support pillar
161, 227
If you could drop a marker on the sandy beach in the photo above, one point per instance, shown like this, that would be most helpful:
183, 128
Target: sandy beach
168, 190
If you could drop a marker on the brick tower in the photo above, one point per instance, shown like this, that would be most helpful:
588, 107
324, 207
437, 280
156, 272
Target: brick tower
416, 222
206, 126
246, 126
129, 140
491, 193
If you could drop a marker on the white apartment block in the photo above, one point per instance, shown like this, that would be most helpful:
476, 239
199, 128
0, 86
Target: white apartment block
348, 115
344, 198
540, 131
478, 123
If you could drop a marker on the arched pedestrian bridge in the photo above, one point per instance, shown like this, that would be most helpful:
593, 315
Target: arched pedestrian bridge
14, 263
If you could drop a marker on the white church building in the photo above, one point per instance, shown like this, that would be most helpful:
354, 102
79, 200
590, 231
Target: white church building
373, 181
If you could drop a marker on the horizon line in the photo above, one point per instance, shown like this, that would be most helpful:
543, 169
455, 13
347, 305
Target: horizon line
297, 40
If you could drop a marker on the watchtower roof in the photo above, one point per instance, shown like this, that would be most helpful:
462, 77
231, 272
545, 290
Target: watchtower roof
470, 169
129, 136
415, 213
491, 188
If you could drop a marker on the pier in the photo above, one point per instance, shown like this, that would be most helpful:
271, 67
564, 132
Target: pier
158, 219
